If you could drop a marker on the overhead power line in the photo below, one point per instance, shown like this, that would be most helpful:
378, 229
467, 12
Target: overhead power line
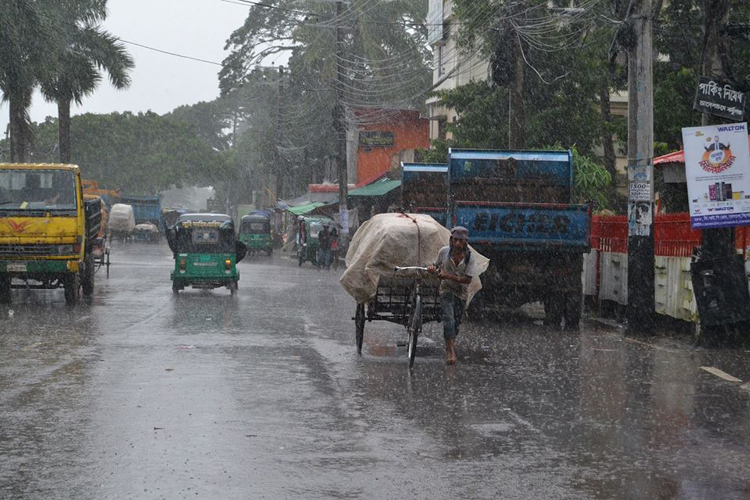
171, 53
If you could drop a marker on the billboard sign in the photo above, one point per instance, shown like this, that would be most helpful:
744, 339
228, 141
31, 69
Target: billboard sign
717, 167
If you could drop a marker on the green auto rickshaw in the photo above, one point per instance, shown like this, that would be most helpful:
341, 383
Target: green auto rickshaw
255, 233
206, 252
308, 229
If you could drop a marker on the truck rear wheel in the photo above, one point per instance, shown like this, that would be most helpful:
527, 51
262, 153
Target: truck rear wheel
573, 309
5, 291
87, 283
72, 284
554, 307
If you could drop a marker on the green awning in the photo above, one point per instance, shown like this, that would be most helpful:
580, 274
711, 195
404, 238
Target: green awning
303, 209
376, 188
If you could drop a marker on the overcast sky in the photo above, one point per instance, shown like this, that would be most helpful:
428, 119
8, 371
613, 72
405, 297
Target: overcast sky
160, 82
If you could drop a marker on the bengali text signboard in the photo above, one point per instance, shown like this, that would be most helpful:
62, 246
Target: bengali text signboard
376, 138
717, 167
719, 98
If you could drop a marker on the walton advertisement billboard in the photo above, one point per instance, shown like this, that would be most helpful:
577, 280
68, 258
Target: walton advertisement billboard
717, 167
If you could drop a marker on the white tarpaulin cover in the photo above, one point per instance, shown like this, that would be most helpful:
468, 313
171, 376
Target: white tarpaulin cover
390, 240
121, 218
147, 227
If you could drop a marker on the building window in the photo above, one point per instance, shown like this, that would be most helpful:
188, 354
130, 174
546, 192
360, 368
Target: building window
441, 60
442, 122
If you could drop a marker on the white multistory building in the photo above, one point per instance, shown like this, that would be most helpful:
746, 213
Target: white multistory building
452, 65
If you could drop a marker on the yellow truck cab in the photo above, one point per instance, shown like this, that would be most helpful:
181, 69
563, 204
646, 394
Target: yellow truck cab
46, 230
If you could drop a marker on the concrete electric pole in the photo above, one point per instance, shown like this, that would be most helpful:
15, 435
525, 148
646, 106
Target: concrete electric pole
640, 311
339, 125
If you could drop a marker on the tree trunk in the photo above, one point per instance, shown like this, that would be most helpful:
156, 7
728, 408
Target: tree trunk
719, 242
517, 120
607, 139
63, 129
18, 130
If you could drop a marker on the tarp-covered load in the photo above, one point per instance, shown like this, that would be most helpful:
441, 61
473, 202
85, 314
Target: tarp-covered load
390, 240
121, 218
147, 227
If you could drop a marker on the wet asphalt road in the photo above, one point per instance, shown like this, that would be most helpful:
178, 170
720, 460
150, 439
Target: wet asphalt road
140, 394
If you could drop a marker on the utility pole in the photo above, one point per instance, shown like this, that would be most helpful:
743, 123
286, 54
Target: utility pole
280, 162
339, 125
516, 117
640, 311
717, 243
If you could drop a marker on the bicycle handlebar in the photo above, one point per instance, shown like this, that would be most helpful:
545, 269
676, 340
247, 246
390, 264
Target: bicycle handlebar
410, 268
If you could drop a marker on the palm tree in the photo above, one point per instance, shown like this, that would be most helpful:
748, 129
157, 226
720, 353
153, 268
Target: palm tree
28, 48
89, 51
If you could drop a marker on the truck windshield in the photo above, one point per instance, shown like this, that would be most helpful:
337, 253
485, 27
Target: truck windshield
31, 189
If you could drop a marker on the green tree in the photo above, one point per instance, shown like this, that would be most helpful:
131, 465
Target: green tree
29, 47
88, 50
140, 153
384, 63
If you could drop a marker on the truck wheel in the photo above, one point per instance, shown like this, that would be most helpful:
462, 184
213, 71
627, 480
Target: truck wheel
72, 285
175, 287
5, 291
554, 307
573, 309
269, 252
88, 276
233, 286
300, 261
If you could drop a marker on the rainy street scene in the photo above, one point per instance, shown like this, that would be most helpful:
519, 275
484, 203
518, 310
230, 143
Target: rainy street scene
374, 249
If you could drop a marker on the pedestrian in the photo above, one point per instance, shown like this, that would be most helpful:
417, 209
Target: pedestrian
324, 249
455, 266
335, 248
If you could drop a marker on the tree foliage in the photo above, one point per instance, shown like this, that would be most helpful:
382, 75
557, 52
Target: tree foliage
286, 121
140, 153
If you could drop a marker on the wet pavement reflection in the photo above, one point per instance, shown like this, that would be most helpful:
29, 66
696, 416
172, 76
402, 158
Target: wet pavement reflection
137, 393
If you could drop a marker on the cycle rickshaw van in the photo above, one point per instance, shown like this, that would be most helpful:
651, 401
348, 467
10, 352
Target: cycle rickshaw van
308, 230
206, 252
255, 233
387, 273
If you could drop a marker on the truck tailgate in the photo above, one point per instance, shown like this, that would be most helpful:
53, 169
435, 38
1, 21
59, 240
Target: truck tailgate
526, 224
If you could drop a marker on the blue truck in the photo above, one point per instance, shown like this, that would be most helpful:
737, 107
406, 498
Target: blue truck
518, 207
424, 189
145, 209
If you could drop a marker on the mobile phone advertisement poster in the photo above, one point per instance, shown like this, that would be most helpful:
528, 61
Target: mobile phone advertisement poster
717, 167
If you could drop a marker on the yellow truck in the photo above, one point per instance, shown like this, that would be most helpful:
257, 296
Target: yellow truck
47, 230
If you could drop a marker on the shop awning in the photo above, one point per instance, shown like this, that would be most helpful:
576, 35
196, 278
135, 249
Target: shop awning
304, 209
375, 189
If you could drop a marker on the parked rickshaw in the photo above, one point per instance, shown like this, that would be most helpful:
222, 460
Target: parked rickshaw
206, 252
309, 227
100, 245
255, 233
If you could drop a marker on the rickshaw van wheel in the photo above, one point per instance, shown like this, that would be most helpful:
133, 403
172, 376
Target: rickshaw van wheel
359, 323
